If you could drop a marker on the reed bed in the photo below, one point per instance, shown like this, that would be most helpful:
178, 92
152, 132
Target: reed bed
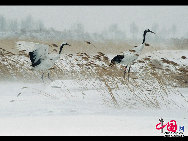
152, 83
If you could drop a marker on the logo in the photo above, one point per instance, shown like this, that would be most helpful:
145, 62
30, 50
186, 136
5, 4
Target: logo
173, 130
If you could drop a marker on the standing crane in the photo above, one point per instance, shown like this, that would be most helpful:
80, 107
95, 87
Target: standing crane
130, 56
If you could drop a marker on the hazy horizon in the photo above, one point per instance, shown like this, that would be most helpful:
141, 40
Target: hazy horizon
99, 18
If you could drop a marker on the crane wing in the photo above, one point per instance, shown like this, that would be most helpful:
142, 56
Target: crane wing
34, 58
41, 51
38, 55
117, 59
26, 46
37, 52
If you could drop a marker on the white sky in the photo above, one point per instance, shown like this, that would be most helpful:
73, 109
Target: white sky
98, 18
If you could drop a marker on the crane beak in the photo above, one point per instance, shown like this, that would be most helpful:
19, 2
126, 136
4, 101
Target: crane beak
152, 32
68, 44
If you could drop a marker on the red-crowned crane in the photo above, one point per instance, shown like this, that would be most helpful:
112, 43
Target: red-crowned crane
130, 56
41, 60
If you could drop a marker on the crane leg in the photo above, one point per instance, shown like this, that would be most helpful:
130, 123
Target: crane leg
42, 77
129, 72
125, 71
49, 77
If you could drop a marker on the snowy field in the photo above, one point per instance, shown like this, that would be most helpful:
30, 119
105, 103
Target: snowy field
95, 101
35, 112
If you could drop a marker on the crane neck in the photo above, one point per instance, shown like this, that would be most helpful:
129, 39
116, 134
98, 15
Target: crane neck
61, 48
139, 48
144, 36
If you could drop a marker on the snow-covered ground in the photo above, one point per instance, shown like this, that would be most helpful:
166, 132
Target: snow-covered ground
111, 125
43, 109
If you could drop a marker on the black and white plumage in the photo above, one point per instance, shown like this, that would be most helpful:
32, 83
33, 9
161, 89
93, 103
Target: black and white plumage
41, 60
130, 56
